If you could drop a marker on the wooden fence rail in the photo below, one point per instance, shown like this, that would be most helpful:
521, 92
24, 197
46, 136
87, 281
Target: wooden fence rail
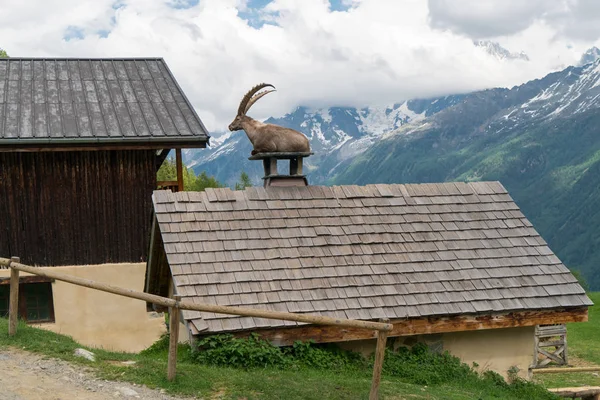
175, 305
564, 370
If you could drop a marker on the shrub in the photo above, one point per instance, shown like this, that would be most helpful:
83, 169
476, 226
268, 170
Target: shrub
421, 366
253, 352
494, 378
225, 350
329, 357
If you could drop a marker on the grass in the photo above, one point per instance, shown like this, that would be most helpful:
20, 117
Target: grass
583, 340
571, 379
584, 337
231, 383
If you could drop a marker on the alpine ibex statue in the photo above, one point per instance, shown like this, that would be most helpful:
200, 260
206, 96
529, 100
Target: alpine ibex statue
267, 138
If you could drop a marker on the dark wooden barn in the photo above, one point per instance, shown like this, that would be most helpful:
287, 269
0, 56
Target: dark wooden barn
80, 143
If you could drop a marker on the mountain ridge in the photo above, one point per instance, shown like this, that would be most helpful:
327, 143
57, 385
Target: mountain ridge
496, 50
589, 56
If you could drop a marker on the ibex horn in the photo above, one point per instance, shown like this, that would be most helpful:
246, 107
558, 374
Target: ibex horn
243, 108
255, 98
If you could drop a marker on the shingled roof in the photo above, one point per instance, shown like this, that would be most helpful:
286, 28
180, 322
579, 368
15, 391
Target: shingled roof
394, 251
82, 101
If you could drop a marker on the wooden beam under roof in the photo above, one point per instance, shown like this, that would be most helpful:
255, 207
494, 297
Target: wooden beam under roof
61, 146
421, 326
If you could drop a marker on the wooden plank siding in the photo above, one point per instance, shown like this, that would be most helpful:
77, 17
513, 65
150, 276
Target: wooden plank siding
76, 208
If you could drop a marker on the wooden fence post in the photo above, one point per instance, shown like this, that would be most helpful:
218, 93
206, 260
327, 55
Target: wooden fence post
13, 308
378, 366
173, 338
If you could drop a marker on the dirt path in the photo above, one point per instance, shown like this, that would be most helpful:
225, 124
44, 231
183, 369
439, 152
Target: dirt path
26, 376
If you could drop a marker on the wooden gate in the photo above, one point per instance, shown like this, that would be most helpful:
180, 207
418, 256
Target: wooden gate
550, 345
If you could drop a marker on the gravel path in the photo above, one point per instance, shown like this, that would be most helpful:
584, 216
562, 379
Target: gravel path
26, 376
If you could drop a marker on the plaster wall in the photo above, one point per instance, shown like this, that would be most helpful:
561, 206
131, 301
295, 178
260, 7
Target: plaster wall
100, 319
492, 349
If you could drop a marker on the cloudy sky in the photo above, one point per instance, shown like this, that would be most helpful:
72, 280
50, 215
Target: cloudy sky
317, 53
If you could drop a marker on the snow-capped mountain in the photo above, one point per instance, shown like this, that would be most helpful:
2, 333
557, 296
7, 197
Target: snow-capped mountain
572, 91
563, 94
589, 56
501, 53
336, 134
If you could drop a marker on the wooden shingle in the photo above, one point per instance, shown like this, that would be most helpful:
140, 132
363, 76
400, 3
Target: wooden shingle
362, 252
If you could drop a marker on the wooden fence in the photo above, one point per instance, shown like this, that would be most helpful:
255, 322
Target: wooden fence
550, 345
175, 305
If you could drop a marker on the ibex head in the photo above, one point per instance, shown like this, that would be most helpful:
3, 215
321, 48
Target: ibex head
248, 101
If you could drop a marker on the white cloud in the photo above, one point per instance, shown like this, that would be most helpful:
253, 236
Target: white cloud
490, 18
579, 19
378, 52
575, 19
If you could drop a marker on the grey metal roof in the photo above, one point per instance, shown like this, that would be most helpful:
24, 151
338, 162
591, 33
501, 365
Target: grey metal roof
83, 101
359, 252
